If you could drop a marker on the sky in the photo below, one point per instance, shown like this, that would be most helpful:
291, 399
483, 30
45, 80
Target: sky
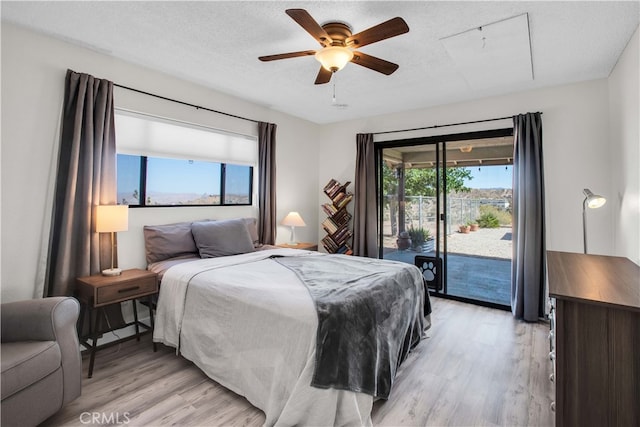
180, 176
491, 177
197, 177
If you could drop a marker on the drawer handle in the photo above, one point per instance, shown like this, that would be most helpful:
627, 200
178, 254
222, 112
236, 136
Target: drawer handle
133, 288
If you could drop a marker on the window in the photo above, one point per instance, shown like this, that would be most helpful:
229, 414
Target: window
179, 182
165, 163
237, 184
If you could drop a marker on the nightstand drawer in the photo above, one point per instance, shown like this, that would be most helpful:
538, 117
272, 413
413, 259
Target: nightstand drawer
125, 290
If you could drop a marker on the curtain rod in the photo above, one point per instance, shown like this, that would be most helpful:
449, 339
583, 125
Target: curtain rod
442, 126
198, 107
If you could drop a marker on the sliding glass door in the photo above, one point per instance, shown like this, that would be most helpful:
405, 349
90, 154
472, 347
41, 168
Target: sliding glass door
445, 206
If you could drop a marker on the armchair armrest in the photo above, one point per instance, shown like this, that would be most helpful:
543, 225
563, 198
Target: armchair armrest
48, 319
38, 319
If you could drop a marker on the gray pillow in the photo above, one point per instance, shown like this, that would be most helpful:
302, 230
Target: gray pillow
168, 241
221, 238
253, 230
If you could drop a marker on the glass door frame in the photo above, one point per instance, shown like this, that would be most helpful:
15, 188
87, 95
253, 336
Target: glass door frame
440, 141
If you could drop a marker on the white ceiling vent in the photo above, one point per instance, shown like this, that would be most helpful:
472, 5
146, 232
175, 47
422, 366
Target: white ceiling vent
493, 54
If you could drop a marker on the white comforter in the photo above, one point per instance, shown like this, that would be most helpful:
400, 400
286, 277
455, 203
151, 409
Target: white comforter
250, 324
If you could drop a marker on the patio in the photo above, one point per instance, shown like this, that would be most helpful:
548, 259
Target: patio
479, 264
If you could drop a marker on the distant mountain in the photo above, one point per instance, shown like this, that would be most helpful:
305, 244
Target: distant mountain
485, 193
175, 199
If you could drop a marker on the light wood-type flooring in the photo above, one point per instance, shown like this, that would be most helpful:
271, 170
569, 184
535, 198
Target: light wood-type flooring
478, 367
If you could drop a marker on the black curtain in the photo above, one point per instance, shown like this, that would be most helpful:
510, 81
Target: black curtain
528, 269
267, 183
365, 215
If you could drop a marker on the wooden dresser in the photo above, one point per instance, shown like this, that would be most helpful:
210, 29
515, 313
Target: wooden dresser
597, 339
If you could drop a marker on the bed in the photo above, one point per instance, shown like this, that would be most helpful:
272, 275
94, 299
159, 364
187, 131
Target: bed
279, 327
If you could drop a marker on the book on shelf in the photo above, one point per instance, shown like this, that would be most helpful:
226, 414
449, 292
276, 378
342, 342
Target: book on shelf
333, 226
337, 198
338, 239
329, 225
341, 216
330, 185
330, 232
344, 249
329, 209
340, 233
337, 215
344, 200
333, 189
335, 235
336, 189
342, 239
329, 244
336, 225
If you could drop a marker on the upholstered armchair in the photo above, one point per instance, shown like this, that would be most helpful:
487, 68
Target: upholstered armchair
41, 361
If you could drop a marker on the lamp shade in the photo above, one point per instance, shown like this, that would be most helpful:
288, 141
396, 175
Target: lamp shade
293, 219
593, 201
112, 218
334, 58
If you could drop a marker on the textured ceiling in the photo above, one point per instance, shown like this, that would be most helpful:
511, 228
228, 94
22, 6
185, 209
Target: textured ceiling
216, 44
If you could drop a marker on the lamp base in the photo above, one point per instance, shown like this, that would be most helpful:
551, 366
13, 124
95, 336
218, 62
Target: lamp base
112, 272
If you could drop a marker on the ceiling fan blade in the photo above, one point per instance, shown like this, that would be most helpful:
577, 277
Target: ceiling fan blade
391, 28
324, 76
373, 63
310, 25
287, 55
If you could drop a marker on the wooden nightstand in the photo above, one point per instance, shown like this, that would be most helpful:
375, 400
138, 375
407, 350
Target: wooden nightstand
301, 245
97, 292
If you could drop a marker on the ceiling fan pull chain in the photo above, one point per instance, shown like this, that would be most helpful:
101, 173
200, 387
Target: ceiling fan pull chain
334, 100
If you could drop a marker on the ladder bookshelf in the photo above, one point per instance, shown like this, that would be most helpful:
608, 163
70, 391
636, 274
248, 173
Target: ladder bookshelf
336, 225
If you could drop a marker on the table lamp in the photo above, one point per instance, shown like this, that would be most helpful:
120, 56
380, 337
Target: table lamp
293, 220
111, 219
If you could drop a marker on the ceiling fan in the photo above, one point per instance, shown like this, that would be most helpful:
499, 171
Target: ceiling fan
338, 44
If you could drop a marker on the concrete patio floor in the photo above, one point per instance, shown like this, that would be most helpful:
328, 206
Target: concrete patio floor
470, 276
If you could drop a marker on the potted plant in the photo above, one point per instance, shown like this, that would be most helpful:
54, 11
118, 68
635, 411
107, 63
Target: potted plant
464, 228
403, 241
418, 237
473, 225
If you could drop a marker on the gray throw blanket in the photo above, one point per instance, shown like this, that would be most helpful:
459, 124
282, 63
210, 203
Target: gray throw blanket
369, 317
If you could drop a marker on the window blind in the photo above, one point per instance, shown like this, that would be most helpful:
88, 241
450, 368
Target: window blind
145, 135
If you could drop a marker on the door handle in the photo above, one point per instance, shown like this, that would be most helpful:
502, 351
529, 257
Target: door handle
442, 217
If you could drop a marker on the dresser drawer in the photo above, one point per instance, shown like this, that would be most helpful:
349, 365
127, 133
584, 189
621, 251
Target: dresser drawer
126, 290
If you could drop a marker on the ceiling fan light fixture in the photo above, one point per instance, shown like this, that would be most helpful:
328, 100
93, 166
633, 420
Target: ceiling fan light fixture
338, 40
334, 58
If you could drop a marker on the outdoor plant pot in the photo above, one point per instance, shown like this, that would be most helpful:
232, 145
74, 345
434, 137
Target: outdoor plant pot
474, 227
465, 229
429, 245
403, 241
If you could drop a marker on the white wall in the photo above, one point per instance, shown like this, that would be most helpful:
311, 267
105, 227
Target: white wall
33, 73
624, 92
575, 143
